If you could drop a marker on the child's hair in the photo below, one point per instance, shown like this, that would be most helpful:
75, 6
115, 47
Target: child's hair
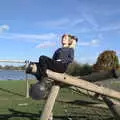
74, 40
64, 35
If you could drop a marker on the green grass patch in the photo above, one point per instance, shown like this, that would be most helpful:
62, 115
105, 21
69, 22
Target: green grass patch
69, 105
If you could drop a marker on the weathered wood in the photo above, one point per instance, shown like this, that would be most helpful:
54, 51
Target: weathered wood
27, 82
93, 95
115, 109
27, 87
50, 103
66, 79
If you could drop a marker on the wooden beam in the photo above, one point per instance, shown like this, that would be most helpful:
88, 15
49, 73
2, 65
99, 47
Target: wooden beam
92, 94
50, 103
66, 79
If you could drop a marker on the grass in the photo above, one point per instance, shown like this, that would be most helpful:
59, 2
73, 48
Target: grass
14, 105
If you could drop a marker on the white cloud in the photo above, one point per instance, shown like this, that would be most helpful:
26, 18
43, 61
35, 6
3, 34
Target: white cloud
62, 23
110, 27
59, 23
75, 22
91, 20
4, 28
42, 40
91, 24
45, 44
93, 43
28, 37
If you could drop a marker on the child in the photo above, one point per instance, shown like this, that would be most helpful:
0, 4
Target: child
61, 58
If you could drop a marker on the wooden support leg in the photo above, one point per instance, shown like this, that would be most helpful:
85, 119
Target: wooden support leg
115, 109
27, 88
50, 103
27, 82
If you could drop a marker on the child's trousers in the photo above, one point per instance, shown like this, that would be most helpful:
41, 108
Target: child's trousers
51, 64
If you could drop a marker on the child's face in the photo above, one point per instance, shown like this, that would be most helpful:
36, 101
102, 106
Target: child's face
65, 40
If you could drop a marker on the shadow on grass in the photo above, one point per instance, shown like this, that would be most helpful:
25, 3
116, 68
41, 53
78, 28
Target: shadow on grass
19, 114
78, 102
11, 92
33, 116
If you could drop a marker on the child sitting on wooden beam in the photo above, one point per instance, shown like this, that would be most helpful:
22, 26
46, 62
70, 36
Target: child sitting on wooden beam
60, 60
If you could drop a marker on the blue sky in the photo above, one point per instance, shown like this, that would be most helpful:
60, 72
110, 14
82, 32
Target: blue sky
30, 28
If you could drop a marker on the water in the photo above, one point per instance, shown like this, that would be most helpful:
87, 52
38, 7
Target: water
14, 75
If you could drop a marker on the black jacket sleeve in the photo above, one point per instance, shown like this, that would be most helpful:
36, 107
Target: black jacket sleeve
55, 55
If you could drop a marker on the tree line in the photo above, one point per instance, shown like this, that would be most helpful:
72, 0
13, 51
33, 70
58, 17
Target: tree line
11, 67
106, 61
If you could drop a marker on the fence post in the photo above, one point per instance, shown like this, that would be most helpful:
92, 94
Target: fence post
27, 82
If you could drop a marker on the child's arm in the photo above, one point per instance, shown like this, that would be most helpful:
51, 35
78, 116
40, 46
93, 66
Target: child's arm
55, 55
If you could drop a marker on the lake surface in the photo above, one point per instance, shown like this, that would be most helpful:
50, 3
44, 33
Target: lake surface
14, 75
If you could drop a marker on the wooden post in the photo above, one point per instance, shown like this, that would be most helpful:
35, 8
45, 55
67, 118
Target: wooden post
27, 87
83, 84
27, 82
115, 109
50, 103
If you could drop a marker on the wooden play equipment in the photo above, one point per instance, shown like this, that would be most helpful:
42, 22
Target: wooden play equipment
105, 93
83, 84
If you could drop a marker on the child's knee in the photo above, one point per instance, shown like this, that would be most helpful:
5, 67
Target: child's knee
42, 57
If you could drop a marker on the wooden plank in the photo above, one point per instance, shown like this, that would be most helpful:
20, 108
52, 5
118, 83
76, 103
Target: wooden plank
50, 103
66, 79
